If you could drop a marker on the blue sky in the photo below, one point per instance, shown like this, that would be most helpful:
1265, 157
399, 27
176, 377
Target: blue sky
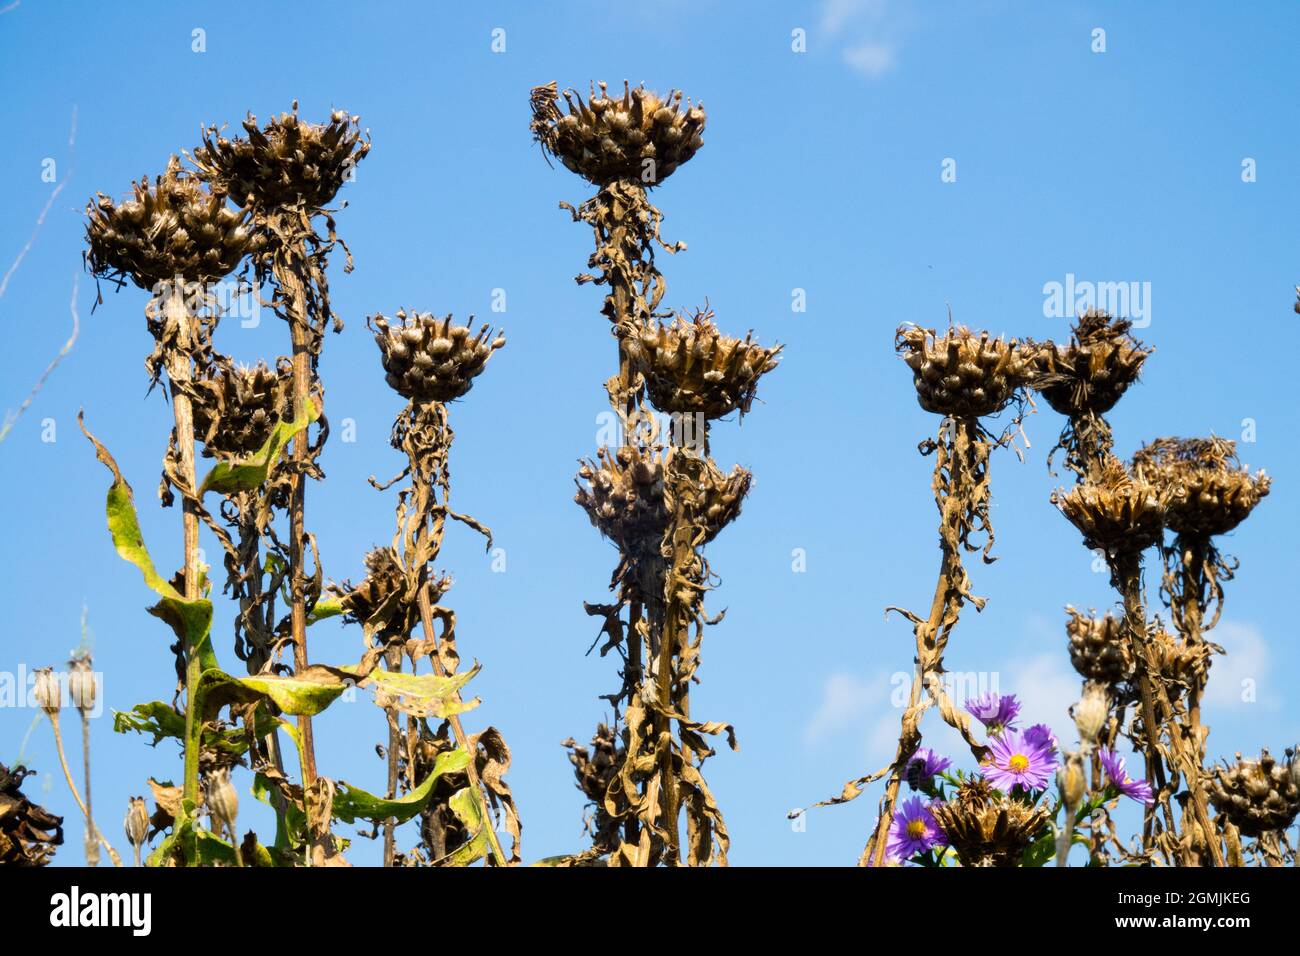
821, 172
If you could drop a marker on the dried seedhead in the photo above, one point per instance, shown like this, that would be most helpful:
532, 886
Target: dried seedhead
594, 769
1178, 663
175, 227
28, 833
638, 136
1092, 372
379, 601
1257, 796
626, 497
690, 367
1099, 649
962, 374
430, 359
1210, 492
286, 163
1119, 512
238, 406
987, 829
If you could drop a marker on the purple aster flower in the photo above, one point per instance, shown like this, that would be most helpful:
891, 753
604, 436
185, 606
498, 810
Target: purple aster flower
995, 711
1138, 790
1019, 760
1041, 733
913, 831
923, 766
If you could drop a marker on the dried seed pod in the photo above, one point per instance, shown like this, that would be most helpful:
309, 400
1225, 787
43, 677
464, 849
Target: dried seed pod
46, 691
175, 227
962, 374
626, 498
136, 824
987, 829
81, 683
222, 799
1120, 511
237, 407
692, 368
639, 136
429, 359
1092, 372
594, 770
1099, 650
1090, 712
1179, 663
286, 163
1257, 796
28, 833
1210, 493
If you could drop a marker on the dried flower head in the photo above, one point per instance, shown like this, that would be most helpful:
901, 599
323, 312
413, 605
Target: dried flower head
430, 359
626, 498
1257, 796
988, 829
1210, 493
1179, 663
175, 227
961, 373
638, 136
690, 367
1092, 372
594, 769
238, 406
1099, 649
81, 682
1120, 511
378, 599
286, 163
28, 833
46, 690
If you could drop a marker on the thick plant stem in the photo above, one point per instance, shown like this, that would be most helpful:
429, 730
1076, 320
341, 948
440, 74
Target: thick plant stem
296, 291
67, 775
462, 740
179, 374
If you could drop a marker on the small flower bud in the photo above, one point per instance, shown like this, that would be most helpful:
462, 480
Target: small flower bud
81, 683
1070, 781
137, 822
223, 801
48, 695
1090, 712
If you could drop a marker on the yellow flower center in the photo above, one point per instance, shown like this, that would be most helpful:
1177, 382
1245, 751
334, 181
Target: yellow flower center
916, 829
1018, 763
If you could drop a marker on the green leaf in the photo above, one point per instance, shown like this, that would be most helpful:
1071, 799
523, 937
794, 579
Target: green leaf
303, 695
228, 477
464, 804
154, 718
329, 607
190, 620
352, 802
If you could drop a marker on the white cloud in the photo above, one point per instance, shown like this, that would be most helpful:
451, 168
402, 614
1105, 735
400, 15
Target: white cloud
837, 14
1242, 673
871, 59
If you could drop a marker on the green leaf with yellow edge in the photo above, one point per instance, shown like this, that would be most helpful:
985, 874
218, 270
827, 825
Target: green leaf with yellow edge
464, 804
228, 477
190, 620
425, 695
305, 694
351, 803
325, 608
